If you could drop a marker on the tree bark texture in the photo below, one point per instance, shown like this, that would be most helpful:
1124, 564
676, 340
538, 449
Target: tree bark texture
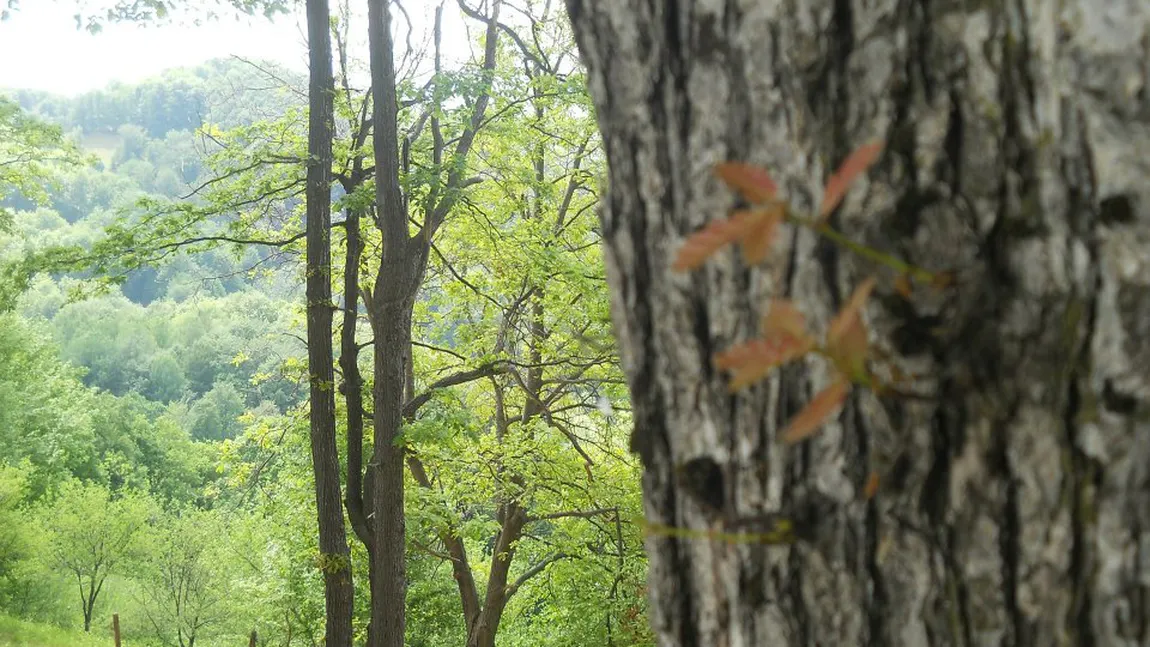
389, 303
335, 555
1015, 504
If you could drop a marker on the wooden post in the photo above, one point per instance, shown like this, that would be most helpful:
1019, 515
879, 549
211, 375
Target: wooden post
252, 640
116, 628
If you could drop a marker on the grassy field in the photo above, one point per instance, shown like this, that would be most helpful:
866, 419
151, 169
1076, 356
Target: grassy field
103, 145
20, 633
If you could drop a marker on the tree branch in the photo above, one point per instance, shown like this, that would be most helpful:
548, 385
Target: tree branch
583, 514
532, 572
462, 377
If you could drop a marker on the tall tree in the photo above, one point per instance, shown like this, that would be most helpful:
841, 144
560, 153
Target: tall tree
1014, 496
335, 556
389, 301
515, 275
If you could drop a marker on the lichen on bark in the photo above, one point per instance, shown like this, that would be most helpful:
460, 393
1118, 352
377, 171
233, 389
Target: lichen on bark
1015, 496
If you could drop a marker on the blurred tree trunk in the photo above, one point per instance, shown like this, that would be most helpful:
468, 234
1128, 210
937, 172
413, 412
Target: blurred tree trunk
1014, 503
335, 559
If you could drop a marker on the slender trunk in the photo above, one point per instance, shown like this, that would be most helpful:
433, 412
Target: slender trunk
335, 556
392, 336
390, 301
390, 305
512, 518
88, 601
352, 386
1014, 496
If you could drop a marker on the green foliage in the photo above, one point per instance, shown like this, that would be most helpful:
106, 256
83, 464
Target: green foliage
216, 415
172, 351
91, 534
31, 153
43, 408
17, 542
186, 583
60, 428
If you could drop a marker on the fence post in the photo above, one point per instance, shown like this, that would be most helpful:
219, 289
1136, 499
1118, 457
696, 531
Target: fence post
116, 628
251, 641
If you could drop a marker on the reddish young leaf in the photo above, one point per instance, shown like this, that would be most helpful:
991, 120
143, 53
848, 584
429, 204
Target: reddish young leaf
784, 319
760, 233
821, 407
853, 166
943, 280
850, 311
751, 181
751, 361
904, 287
871, 487
700, 245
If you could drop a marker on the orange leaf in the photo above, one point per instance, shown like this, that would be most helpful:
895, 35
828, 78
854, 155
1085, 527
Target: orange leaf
784, 318
751, 181
751, 361
760, 234
871, 487
853, 166
818, 410
850, 311
903, 286
943, 280
713, 236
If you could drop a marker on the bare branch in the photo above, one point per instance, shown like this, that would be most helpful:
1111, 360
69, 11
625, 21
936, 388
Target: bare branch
462, 377
533, 571
582, 514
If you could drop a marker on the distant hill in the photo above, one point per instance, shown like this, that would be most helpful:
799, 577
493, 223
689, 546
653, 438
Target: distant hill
226, 92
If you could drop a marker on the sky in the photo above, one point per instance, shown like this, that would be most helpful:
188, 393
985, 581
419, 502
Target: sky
40, 47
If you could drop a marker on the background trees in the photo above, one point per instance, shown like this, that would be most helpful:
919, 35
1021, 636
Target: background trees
192, 385
92, 536
186, 578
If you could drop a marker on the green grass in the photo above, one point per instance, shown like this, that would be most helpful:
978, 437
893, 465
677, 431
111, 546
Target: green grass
21, 633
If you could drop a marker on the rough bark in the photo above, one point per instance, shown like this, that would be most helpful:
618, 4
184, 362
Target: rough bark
389, 303
1015, 506
336, 558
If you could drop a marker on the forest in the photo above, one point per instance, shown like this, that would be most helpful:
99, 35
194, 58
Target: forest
154, 390
518, 322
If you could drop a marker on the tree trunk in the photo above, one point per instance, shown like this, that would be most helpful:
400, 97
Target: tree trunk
335, 556
482, 633
1014, 502
389, 304
402, 265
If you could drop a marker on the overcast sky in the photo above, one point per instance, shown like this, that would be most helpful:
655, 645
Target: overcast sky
40, 47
